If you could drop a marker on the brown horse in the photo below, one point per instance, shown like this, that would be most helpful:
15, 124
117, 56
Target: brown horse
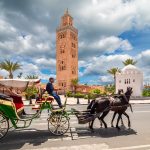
119, 107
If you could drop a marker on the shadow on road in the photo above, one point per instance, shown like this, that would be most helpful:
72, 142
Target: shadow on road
17, 139
105, 133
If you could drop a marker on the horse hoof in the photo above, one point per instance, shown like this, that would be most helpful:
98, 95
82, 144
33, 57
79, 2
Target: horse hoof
118, 128
91, 128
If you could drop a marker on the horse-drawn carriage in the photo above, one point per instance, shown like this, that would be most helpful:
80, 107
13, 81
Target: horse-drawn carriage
12, 108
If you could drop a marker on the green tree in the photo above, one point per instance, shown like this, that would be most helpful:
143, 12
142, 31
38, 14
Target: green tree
74, 83
31, 77
10, 67
110, 89
146, 92
129, 62
96, 91
20, 75
113, 72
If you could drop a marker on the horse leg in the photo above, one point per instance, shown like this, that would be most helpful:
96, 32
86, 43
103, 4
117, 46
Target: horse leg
91, 124
113, 119
102, 118
122, 121
101, 124
129, 123
118, 121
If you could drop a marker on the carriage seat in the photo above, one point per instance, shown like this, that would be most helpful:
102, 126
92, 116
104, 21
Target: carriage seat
17, 100
5, 97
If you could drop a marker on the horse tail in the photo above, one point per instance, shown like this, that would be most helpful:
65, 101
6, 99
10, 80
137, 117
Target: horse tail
131, 108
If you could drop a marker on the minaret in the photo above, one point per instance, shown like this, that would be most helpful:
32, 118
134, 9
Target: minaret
66, 52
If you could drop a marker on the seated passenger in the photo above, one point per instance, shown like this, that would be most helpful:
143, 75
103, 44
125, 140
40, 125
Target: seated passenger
17, 99
51, 91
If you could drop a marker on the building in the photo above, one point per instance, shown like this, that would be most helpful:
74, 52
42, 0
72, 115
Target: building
66, 52
130, 76
87, 88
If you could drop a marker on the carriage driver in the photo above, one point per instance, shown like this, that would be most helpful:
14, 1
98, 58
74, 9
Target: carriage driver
51, 91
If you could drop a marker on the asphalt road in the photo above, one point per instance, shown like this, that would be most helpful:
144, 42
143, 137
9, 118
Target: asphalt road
80, 137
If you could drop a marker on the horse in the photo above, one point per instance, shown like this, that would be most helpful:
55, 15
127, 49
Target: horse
119, 107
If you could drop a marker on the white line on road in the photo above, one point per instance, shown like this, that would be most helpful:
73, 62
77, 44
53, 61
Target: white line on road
141, 111
131, 147
102, 146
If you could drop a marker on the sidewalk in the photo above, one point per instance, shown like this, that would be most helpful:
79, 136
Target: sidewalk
82, 101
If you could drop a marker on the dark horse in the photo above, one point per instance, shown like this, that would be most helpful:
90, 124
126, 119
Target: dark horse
105, 105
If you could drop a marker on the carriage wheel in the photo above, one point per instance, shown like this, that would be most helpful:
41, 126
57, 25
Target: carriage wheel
4, 126
58, 124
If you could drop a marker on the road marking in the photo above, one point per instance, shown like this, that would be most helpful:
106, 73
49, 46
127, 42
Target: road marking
131, 147
141, 111
102, 146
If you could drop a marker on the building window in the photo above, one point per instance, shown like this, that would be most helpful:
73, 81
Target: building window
73, 45
62, 35
133, 80
73, 53
62, 65
125, 81
62, 49
119, 81
73, 36
62, 83
73, 70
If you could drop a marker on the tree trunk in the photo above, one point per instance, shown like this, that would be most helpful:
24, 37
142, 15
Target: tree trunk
115, 82
10, 75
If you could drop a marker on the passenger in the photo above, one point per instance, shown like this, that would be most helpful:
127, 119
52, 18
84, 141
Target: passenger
51, 91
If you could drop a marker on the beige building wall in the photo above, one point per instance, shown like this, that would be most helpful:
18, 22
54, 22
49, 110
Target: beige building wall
66, 52
130, 76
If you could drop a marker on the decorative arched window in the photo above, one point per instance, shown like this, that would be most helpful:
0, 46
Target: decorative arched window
73, 70
62, 65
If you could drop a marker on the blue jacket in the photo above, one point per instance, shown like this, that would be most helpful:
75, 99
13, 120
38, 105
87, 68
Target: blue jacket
50, 88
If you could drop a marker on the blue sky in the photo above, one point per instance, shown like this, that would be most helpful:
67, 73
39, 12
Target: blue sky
110, 31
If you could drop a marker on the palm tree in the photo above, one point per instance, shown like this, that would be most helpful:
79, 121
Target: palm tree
20, 75
129, 61
74, 83
113, 72
10, 67
31, 77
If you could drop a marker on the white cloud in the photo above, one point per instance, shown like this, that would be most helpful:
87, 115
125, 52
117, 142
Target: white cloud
100, 65
105, 79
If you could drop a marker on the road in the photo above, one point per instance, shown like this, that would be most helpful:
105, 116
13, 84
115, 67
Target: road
38, 137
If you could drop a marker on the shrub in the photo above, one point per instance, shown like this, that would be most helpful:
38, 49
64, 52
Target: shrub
69, 94
96, 91
86, 96
31, 92
146, 92
79, 95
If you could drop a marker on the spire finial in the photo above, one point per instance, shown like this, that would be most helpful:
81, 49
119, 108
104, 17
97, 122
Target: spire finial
67, 12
